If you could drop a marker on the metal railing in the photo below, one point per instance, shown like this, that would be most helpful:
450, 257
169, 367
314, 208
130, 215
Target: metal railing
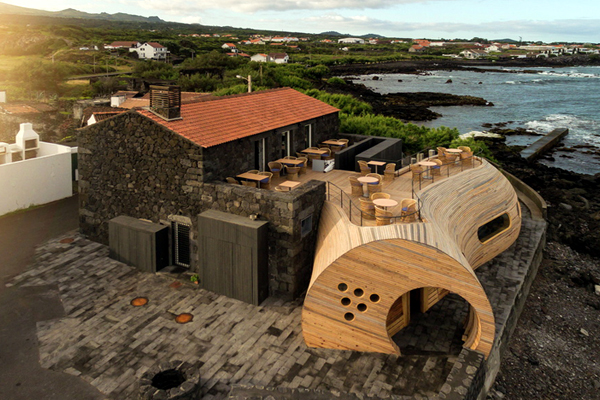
452, 168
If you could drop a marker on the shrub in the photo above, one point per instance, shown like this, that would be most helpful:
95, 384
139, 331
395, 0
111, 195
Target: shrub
336, 81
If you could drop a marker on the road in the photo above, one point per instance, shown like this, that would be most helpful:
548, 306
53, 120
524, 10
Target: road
21, 376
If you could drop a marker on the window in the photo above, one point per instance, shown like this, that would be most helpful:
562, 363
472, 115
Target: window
260, 152
306, 226
285, 144
181, 243
308, 135
493, 228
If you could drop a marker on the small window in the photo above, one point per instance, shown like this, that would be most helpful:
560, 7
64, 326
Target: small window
493, 228
306, 225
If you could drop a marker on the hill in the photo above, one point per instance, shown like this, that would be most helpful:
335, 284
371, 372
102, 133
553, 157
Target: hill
72, 13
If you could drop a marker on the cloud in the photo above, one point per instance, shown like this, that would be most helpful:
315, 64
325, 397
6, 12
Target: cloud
180, 7
584, 28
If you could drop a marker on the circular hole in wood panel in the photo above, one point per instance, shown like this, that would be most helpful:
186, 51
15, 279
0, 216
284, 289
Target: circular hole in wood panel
359, 292
349, 316
342, 287
374, 298
362, 307
346, 301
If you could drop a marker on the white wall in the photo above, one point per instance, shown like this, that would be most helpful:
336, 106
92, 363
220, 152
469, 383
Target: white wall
2, 96
38, 180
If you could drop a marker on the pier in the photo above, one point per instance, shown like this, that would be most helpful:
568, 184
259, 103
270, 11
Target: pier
544, 144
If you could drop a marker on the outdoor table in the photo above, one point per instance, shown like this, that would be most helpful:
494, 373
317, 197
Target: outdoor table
455, 152
365, 180
377, 164
428, 165
290, 161
313, 151
289, 184
385, 203
252, 177
333, 142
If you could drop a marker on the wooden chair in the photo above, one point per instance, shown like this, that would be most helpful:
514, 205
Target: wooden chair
303, 165
436, 170
275, 168
327, 154
390, 172
266, 183
249, 183
253, 171
442, 154
292, 173
383, 216
374, 188
374, 175
417, 173
335, 149
380, 195
290, 158
408, 210
367, 208
345, 142
356, 186
466, 149
313, 156
466, 157
364, 168
281, 189
231, 180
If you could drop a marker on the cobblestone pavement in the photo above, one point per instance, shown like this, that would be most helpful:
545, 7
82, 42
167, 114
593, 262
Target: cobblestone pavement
109, 343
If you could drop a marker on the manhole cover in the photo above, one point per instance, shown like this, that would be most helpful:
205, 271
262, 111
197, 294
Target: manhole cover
174, 380
139, 301
184, 318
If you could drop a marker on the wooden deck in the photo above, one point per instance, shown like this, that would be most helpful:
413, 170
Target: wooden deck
400, 188
363, 275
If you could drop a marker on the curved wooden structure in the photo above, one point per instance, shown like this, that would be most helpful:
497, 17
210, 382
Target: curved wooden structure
362, 276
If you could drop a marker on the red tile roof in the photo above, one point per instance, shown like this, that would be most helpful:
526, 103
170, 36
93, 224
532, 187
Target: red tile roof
219, 120
156, 45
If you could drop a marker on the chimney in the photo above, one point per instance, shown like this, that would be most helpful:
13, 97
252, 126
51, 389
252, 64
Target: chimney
165, 101
28, 140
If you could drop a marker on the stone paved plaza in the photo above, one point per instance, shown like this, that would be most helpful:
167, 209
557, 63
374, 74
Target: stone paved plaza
106, 341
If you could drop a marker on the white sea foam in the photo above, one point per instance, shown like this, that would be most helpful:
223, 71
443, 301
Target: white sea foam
477, 134
569, 74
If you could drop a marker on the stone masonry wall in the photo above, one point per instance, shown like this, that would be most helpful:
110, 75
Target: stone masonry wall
132, 166
290, 254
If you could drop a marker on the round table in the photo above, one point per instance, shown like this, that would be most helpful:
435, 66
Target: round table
385, 203
366, 180
427, 165
455, 152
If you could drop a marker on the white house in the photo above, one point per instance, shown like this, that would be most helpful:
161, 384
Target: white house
150, 51
33, 172
473, 54
260, 58
279, 58
493, 48
228, 46
351, 41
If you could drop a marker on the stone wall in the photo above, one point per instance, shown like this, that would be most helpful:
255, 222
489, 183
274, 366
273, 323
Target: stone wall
290, 254
132, 166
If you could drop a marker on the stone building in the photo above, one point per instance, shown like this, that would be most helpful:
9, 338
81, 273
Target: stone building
167, 164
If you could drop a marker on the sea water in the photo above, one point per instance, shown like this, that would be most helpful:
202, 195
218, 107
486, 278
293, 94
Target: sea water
540, 101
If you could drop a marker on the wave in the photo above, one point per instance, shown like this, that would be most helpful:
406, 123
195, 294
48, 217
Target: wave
584, 129
569, 74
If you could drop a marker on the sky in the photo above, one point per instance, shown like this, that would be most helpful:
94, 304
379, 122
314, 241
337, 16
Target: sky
530, 20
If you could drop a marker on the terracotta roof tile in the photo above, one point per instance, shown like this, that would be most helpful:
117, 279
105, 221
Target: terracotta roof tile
219, 120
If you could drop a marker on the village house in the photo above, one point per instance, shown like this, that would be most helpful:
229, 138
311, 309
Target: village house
416, 48
279, 58
228, 46
260, 57
472, 54
150, 51
350, 41
168, 164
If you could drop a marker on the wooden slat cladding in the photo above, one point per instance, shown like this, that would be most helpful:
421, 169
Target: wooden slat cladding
354, 266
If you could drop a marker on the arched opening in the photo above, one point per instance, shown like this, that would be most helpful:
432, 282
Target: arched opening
431, 320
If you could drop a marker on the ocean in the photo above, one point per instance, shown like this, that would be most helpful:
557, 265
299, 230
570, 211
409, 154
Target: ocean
541, 101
